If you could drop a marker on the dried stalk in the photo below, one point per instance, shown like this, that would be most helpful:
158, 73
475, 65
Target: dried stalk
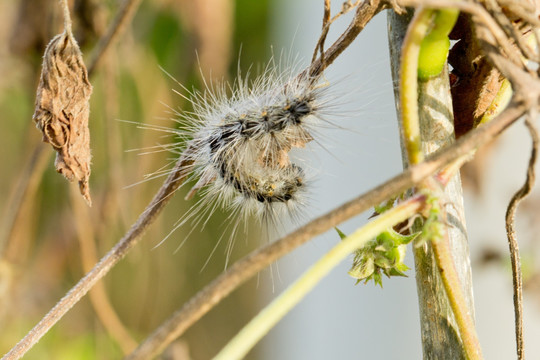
67, 17
512, 240
364, 13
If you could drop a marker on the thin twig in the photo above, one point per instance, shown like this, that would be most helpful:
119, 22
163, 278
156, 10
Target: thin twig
326, 16
327, 21
512, 240
512, 32
125, 14
364, 13
325, 28
136, 231
247, 267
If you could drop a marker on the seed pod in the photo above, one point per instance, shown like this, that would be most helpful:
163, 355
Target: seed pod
62, 109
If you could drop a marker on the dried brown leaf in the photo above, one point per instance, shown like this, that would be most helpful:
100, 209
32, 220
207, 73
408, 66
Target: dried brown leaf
62, 109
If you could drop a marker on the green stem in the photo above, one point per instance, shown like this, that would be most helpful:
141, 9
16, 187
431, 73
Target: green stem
409, 84
240, 345
456, 298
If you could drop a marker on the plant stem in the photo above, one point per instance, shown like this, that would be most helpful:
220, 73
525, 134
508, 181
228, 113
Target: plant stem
512, 240
240, 345
364, 13
452, 285
409, 84
435, 266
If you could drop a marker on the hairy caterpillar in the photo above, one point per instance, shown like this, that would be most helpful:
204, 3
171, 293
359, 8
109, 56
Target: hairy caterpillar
238, 141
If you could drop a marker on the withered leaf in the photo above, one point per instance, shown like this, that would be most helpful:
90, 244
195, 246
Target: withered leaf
62, 109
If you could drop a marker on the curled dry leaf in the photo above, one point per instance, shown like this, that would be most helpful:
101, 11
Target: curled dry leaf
62, 109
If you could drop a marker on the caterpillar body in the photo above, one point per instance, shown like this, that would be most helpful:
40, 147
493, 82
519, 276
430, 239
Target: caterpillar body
240, 137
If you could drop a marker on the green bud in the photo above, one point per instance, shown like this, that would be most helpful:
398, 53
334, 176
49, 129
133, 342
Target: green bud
382, 255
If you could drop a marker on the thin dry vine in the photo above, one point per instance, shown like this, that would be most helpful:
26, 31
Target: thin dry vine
512, 239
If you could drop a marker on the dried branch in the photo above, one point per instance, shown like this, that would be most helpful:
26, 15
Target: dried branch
327, 21
247, 267
364, 13
512, 240
511, 31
